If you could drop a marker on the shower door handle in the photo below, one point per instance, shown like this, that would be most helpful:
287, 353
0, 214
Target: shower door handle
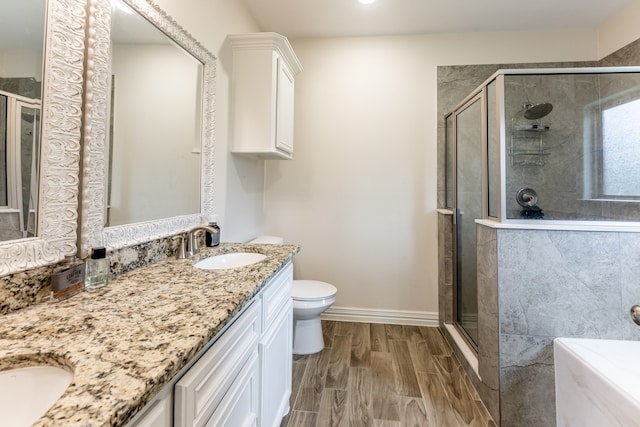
456, 213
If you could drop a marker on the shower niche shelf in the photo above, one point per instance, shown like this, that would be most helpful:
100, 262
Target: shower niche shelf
527, 145
530, 128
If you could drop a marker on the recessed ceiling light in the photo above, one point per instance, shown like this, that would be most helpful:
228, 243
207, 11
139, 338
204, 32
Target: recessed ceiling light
366, 1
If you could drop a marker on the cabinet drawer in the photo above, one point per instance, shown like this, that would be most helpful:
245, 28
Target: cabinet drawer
276, 294
201, 389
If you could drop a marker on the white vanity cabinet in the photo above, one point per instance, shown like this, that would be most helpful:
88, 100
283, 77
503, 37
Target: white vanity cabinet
216, 376
262, 95
243, 378
157, 413
275, 349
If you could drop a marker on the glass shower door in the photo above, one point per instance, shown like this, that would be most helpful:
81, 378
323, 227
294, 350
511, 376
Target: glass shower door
468, 208
28, 126
19, 160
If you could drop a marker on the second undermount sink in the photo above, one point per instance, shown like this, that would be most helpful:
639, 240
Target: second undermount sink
230, 260
27, 393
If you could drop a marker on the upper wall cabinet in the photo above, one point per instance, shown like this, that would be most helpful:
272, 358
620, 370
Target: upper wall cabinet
264, 66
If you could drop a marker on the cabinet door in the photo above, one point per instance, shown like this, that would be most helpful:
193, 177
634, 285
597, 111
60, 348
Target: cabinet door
199, 392
284, 108
239, 408
158, 413
275, 365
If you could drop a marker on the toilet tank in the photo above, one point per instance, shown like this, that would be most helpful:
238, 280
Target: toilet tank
270, 240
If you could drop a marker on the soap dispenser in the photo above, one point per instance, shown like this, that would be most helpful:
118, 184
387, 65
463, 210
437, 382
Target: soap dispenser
212, 239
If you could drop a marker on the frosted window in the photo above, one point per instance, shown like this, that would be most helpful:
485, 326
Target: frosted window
621, 151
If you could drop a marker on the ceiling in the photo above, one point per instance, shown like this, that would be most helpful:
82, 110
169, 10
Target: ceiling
340, 18
129, 27
22, 24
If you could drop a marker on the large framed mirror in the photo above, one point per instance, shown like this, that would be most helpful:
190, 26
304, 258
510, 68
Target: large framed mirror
149, 127
41, 71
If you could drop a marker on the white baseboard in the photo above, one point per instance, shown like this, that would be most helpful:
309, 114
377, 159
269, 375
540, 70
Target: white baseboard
391, 317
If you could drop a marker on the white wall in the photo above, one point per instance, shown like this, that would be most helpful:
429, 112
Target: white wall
619, 30
21, 63
155, 173
239, 182
360, 194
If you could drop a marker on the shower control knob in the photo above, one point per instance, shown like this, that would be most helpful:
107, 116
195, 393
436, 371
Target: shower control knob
635, 314
527, 197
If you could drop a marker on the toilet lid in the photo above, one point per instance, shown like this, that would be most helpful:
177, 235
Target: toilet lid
312, 289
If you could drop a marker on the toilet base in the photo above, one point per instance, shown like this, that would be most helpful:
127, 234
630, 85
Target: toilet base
307, 336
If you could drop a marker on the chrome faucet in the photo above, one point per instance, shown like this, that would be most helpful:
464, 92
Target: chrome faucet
191, 246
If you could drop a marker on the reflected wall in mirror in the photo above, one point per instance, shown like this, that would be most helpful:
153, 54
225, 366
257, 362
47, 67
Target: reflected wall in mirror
40, 129
148, 157
21, 53
154, 133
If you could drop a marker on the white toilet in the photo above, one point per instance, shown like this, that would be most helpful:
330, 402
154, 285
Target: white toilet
310, 299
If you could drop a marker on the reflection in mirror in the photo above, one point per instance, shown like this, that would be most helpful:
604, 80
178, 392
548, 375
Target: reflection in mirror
149, 127
21, 52
40, 133
154, 132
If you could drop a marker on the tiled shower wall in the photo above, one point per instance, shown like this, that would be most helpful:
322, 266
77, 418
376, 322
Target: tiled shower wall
24, 86
551, 284
30, 88
535, 285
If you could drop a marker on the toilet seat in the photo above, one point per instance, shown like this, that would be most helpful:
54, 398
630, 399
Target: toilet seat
309, 290
268, 240
310, 298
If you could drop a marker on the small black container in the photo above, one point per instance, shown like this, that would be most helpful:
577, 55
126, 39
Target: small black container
212, 239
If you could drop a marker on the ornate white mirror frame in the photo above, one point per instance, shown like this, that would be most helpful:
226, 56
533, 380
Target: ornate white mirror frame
92, 231
60, 147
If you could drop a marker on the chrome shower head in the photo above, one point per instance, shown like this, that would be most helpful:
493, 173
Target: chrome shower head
537, 111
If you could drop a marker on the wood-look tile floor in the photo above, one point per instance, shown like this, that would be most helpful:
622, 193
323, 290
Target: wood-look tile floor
382, 376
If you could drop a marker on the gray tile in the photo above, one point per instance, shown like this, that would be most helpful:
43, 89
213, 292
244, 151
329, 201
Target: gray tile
559, 283
630, 282
628, 55
527, 386
445, 268
488, 348
488, 307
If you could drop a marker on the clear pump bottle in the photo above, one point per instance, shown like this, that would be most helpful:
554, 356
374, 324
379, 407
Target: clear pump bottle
97, 270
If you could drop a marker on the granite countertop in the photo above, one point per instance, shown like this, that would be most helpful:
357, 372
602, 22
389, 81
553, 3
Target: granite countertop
126, 341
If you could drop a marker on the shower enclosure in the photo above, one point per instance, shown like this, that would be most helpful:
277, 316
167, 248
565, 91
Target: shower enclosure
540, 148
19, 157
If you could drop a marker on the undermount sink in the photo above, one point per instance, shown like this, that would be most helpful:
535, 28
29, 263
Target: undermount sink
27, 393
230, 260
